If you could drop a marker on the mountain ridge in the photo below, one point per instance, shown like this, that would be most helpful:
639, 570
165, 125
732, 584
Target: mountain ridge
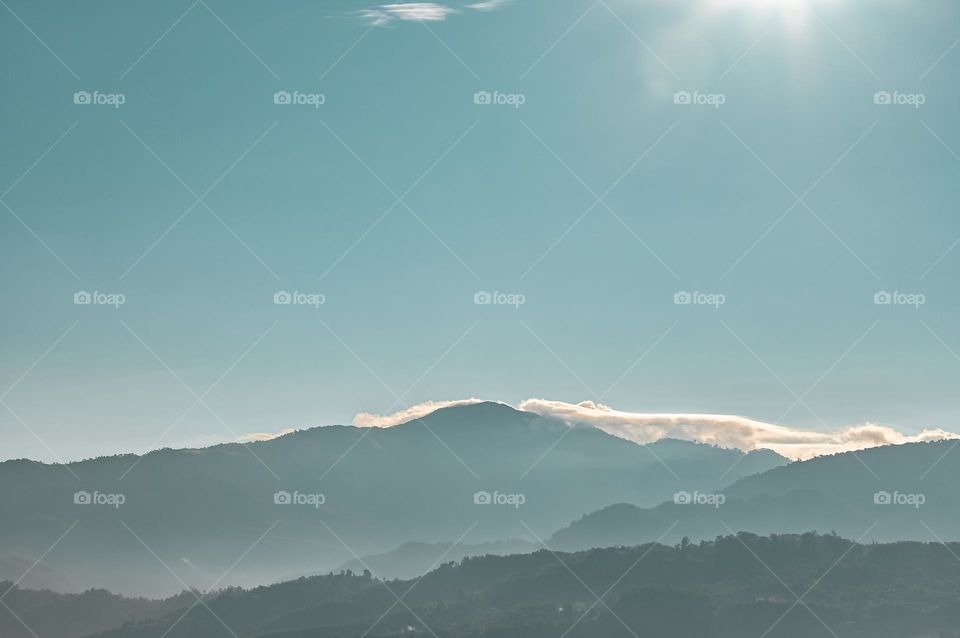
486, 409
843, 492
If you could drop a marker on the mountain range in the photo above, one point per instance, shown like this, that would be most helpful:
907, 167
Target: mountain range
481, 520
309, 501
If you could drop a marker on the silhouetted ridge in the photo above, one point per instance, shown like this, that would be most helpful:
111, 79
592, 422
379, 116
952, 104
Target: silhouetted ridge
727, 587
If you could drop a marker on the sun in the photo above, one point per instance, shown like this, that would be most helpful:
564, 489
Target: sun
763, 3
792, 13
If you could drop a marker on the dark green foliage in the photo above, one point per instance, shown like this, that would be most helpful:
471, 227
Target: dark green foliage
730, 587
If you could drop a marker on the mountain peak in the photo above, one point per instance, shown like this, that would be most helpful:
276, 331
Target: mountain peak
487, 408
480, 415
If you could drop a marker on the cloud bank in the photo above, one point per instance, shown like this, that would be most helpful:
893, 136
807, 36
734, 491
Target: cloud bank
724, 430
728, 430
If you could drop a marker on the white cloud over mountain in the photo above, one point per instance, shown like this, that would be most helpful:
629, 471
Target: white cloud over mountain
264, 436
367, 419
718, 429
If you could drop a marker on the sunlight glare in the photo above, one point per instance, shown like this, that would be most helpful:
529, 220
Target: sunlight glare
793, 13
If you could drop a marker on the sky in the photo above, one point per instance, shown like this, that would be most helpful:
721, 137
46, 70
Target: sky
721, 207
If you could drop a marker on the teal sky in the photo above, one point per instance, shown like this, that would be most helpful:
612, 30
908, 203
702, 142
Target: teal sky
493, 198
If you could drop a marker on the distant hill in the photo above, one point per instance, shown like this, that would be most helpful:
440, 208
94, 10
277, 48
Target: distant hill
198, 510
413, 559
734, 586
897, 492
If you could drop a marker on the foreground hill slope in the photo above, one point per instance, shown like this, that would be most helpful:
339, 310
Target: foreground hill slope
32, 613
737, 585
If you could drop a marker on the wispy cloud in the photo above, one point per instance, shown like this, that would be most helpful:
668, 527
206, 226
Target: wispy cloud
488, 5
385, 14
411, 11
